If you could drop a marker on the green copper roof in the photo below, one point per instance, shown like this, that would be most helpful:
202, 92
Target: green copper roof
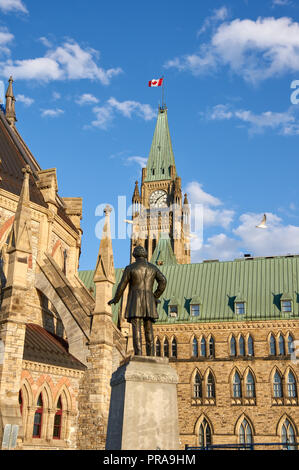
262, 283
163, 254
161, 154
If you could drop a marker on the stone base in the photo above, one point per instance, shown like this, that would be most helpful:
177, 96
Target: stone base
143, 407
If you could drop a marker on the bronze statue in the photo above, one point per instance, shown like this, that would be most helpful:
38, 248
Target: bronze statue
142, 301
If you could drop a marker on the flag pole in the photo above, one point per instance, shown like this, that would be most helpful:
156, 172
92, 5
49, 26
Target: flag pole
163, 92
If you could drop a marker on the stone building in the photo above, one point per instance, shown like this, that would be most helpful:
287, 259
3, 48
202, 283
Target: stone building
228, 328
57, 341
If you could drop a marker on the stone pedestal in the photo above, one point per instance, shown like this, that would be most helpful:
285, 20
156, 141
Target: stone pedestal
143, 407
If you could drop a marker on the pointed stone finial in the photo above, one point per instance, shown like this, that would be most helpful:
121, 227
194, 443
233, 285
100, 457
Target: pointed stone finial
105, 264
186, 202
10, 112
20, 237
136, 194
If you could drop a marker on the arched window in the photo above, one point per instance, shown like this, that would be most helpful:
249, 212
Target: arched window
290, 344
241, 346
272, 346
197, 391
21, 401
195, 347
158, 348
205, 435
245, 433
203, 349
211, 347
233, 349
250, 347
291, 385
210, 386
166, 348
277, 386
174, 349
288, 436
250, 386
281, 347
237, 392
57, 420
37, 423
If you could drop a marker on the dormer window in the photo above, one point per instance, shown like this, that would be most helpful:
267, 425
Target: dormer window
286, 306
173, 310
195, 310
195, 306
240, 308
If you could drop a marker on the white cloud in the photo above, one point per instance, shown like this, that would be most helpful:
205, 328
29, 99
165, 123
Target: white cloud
127, 108
25, 100
219, 14
87, 98
277, 239
255, 50
281, 2
66, 62
56, 95
12, 5
106, 113
142, 161
104, 116
5, 38
52, 112
284, 122
45, 41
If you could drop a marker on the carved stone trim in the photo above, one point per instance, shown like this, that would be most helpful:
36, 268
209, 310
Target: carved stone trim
51, 369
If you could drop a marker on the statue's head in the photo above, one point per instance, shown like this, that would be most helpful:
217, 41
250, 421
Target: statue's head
139, 252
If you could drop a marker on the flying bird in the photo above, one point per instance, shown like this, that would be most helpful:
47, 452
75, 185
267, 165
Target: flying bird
128, 221
262, 223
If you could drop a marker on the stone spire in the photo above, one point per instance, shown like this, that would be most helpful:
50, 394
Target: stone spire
20, 237
10, 111
136, 195
105, 266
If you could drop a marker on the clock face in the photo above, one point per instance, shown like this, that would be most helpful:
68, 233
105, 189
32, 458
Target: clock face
158, 199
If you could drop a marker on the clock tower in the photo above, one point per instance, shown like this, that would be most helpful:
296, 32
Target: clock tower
159, 211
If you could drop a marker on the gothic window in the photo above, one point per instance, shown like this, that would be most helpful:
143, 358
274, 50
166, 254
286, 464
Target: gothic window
57, 420
21, 401
174, 352
173, 310
272, 346
291, 385
203, 349
233, 350
210, 386
288, 436
205, 435
281, 347
166, 348
37, 423
277, 386
250, 347
195, 347
158, 348
237, 392
290, 344
197, 390
245, 433
211, 347
241, 346
250, 386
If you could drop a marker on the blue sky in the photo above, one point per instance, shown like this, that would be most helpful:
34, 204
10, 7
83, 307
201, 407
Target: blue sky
81, 72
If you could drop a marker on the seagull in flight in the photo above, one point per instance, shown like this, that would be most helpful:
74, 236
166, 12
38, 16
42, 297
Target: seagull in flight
262, 224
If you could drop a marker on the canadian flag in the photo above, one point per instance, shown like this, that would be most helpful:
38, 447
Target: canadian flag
155, 82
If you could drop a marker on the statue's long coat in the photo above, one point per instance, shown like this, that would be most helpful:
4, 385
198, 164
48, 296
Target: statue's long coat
141, 276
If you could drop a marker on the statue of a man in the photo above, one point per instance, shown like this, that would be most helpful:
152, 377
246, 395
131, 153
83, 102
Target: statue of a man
142, 301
